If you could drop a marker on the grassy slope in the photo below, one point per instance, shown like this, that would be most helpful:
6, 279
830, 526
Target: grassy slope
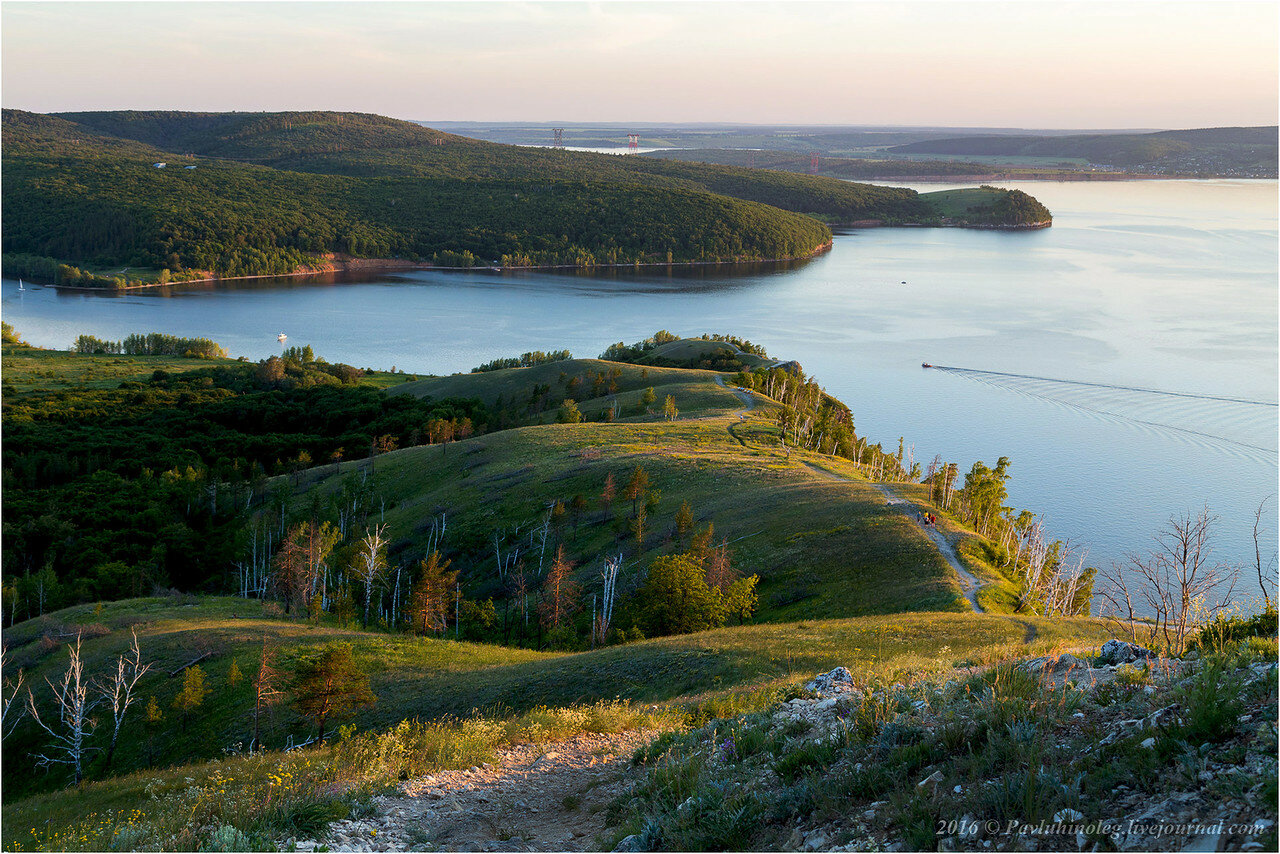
956, 203
28, 368
697, 349
32, 369
426, 678
835, 543
511, 383
821, 548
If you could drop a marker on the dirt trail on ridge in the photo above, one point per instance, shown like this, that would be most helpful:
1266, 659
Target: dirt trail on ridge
969, 583
748, 399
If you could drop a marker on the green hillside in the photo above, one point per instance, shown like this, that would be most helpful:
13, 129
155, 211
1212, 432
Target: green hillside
361, 145
430, 679
87, 203
821, 548
118, 481
255, 194
517, 383
866, 168
1218, 150
496, 499
989, 206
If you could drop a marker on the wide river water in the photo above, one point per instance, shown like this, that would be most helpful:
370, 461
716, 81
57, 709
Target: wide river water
1124, 359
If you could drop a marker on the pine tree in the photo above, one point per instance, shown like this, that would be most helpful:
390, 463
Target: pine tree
559, 591
636, 486
638, 527
192, 695
684, 520
607, 494
719, 568
331, 686
577, 505
152, 718
700, 548
569, 412
428, 609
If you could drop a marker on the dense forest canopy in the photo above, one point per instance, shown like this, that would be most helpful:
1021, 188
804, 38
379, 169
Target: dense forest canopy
109, 492
361, 145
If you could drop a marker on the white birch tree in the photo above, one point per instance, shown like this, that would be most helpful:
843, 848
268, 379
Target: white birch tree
117, 690
73, 724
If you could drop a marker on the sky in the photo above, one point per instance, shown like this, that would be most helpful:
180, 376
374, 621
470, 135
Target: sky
1070, 64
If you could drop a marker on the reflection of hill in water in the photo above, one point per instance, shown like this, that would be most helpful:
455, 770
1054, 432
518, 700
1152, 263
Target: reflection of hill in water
685, 278
1246, 428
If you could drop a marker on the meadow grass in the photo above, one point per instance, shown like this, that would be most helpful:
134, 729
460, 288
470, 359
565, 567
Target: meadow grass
32, 369
441, 704
429, 680
956, 203
515, 384
686, 349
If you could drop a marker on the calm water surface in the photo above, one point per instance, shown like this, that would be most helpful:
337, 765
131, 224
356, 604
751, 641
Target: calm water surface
1125, 359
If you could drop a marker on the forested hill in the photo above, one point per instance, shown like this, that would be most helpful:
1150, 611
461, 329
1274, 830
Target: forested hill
1227, 150
361, 145
281, 193
73, 196
258, 137
176, 195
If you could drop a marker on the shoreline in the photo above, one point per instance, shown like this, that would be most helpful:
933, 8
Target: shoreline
383, 265
877, 223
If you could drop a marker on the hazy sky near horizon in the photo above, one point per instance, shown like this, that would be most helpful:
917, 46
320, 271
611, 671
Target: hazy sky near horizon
1070, 64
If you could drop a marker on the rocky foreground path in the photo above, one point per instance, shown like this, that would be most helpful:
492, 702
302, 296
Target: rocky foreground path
533, 797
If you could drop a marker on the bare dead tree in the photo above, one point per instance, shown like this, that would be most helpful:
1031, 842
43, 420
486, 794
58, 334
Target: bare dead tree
543, 530
1173, 584
11, 708
370, 563
118, 689
1118, 603
522, 593
1065, 585
74, 724
612, 566
1034, 571
1268, 572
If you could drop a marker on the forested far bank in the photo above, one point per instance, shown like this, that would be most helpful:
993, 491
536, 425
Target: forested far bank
285, 194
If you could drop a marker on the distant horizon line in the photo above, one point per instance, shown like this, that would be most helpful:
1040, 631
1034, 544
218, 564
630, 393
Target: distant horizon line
610, 123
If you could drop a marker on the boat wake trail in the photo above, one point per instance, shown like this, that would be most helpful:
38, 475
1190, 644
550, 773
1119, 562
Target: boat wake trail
1229, 423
